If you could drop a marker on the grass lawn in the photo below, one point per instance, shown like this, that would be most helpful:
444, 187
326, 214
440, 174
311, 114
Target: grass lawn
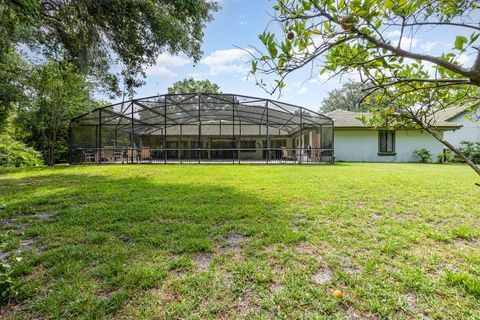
239, 241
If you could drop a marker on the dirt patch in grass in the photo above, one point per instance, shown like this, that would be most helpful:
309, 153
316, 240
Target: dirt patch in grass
16, 224
314, 252
235, 238
247, 305
323, 276
276, 287
202, 260
354, 314
233, 246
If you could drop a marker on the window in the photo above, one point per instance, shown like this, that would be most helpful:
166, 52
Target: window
386, 142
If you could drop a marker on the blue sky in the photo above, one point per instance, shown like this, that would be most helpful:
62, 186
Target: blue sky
238, 24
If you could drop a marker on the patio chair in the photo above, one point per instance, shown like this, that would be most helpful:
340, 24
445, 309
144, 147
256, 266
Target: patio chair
286, 156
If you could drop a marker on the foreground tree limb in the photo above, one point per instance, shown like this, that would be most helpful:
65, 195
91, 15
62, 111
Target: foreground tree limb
368, 38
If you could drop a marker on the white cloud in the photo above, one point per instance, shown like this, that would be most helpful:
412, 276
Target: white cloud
428, 45
221, 57
171, 60
228, 68
164, 63
322, 78
302, 90
407, 43
296, 88
227, 61
160, 71
393, 34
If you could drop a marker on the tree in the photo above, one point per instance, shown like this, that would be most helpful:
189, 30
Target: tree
96, 35
78, 40
13, 71
348, 97
351, 36
190, 85
58, 92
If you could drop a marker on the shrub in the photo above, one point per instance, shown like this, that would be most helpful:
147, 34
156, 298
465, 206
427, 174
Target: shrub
448, 156
15, 154
471, 150
424, 155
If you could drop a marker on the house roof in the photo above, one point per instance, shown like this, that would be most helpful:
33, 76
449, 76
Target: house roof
349, 119
449, 113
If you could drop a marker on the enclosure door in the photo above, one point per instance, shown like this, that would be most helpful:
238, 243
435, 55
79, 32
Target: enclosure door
315, 145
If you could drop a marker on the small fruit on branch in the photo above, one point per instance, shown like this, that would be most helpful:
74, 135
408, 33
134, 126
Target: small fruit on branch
290, 35
346, 23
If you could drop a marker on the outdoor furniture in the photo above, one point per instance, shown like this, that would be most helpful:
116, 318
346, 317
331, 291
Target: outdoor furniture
108, 154
90, 156
286, 156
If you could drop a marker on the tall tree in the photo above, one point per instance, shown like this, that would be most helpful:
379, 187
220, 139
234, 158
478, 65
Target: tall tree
351, 36
348, 97
58, 92
190, 85
97, 35
13, 77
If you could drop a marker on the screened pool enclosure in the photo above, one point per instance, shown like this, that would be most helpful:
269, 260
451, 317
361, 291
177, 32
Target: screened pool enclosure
201, 128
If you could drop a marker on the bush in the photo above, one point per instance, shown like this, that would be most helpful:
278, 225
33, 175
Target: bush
471, 150
424, 155
15, 154
448, 156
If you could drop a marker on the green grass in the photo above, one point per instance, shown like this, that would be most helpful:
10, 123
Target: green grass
238, 241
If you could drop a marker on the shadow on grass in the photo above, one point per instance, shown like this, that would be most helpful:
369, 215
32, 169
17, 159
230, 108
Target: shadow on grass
110, 238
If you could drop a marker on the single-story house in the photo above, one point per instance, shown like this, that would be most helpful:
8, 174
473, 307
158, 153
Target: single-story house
469, 130
356, 141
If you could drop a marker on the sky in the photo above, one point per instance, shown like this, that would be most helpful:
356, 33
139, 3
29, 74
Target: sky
236, 26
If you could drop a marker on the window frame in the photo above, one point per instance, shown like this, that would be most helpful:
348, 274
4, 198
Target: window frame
386, 153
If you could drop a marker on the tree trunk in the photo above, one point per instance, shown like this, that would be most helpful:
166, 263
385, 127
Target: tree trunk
451, 147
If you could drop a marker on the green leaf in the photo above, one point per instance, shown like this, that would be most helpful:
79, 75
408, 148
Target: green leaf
254, 67
459, 42
388, 4
474, 37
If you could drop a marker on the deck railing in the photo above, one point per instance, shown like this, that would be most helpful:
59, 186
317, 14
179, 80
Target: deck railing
116, 155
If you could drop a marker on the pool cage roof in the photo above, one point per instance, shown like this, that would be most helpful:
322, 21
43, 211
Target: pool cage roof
186, 114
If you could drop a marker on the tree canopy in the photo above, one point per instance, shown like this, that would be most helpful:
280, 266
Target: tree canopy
97, 35
348, 97
348, 36
56, 94
190, 85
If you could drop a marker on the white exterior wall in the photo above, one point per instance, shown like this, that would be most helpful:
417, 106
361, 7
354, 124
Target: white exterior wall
470, 131
362, 146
